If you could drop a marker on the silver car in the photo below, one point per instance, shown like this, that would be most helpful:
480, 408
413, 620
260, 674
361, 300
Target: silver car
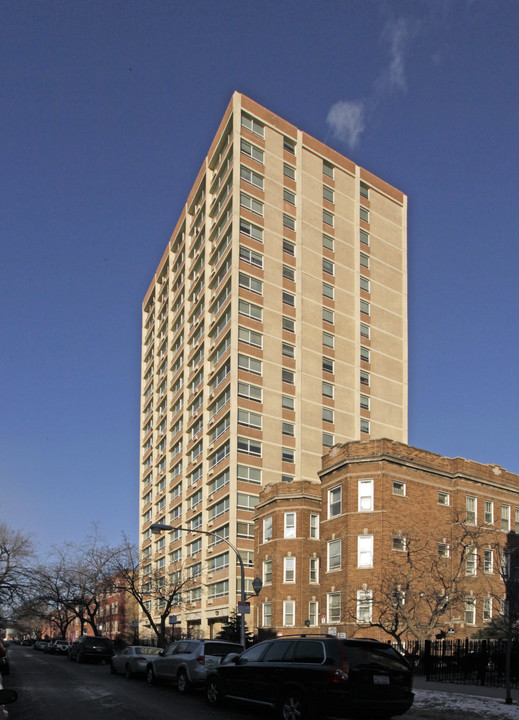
187, 662
132, 660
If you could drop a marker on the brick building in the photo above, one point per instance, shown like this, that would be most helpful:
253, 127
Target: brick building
274, 327
390, 533
116, 612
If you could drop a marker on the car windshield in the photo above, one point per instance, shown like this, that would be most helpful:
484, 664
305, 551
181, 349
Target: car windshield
147, 650
363, 654
98, 641
221, 649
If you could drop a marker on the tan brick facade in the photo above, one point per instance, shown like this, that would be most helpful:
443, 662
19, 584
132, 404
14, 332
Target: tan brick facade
274, 327
386, 509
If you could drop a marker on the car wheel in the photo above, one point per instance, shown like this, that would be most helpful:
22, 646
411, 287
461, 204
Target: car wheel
292, 706
113, 669
183, 684
214, 692
127, 672
150, 676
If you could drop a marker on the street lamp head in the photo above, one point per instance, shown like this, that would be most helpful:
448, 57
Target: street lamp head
257, 585
157, 528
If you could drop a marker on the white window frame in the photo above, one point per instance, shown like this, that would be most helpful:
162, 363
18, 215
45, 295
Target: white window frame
328, 291
313, 570
251, 203
289, 569
471, 562
248, 309
250, 283
365, 551
313, 613
470, 610
335, 501
444, 498
266, 614
252, 177
289, 612
288, 455
487, 609
328, 218
314, 526
289, 524
252, 151
333, 609
334, 554
328, 316
505, 517
249, 419
364, 606
399, 488
489, 512
471, 504
267, 528
365, 495
328, 194
250, 123
289, 171
488, 561
287, 402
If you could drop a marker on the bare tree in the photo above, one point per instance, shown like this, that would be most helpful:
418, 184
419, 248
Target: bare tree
53, 597
156, 591
16, 554
29, 618
73, 583
423, 583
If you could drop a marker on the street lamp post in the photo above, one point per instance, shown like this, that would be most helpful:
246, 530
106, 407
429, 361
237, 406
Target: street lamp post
157, 528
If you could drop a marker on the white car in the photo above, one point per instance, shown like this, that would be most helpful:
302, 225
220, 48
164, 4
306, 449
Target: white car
132, 660
61, 647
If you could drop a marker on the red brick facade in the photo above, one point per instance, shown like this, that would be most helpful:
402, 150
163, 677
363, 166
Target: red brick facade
387, 512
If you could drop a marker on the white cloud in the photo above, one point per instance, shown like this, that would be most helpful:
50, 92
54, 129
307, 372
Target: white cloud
347, 120
397, 33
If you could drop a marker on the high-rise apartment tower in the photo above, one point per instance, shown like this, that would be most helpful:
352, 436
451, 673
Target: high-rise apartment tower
275, 327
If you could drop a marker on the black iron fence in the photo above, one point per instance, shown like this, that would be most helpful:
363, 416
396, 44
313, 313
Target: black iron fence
471, 662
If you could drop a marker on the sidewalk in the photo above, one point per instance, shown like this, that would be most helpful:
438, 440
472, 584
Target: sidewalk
442, 701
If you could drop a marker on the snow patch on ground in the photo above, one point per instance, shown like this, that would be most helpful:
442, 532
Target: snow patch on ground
439, 705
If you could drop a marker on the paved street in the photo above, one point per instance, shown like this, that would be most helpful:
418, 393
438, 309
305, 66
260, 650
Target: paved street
51, 688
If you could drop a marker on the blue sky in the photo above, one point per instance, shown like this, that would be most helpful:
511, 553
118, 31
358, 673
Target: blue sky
107, 111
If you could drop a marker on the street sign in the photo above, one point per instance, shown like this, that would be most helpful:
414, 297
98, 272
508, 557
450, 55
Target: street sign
172, 619
244, 608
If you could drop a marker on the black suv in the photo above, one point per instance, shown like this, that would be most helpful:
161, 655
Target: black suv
86, 647
307, 676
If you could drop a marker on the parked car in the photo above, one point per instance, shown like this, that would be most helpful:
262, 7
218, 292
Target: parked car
95, 649
4, 660
306, 676
59, 647
132, 660
187, 662
6, 697
40, 644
